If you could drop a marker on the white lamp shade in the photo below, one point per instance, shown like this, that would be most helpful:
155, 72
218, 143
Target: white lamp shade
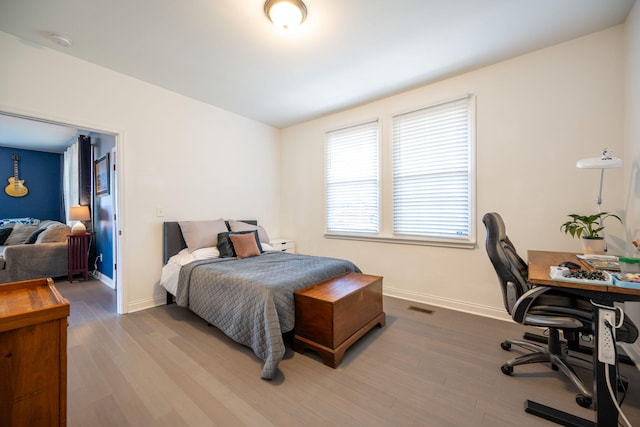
599, 163
79, 213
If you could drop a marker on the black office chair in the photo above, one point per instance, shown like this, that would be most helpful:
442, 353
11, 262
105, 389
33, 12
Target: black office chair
544, 307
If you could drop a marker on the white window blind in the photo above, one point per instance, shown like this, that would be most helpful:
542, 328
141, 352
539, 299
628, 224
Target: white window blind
352, 179
432, 171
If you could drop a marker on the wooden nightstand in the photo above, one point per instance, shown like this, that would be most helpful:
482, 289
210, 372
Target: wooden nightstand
284, 245
78, 250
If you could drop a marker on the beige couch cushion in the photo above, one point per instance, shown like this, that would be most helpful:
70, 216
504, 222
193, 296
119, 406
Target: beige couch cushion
56, 232
20, 233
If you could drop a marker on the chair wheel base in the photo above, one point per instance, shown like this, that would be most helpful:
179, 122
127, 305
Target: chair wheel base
506, 369
583, 400
505, 345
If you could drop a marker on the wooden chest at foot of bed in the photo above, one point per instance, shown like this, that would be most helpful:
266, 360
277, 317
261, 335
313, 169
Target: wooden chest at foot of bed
332, 315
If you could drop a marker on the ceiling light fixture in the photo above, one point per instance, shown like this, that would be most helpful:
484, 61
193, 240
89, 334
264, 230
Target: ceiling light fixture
60, 39
285, 13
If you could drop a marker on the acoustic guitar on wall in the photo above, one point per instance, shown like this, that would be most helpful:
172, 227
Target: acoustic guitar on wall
16, 186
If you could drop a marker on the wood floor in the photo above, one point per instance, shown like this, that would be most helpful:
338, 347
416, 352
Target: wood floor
165, 367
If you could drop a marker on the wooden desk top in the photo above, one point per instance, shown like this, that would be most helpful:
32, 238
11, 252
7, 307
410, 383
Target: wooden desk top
540, 261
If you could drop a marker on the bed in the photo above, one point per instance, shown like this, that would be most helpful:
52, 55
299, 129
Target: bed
250, 299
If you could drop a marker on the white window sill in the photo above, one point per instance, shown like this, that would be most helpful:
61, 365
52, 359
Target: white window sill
460, 244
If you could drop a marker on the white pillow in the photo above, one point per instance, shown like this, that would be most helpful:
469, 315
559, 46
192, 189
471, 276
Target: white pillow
202, 234
185, 257
206, 253
182, 258
266, 247
243, 226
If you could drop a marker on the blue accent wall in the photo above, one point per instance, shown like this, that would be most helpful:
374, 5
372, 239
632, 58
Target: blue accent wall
42, 175
104, 209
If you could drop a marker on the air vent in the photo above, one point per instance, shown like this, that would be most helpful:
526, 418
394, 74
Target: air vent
421, 310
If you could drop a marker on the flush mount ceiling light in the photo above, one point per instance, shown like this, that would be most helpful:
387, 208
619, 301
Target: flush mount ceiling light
285, 13
60, 39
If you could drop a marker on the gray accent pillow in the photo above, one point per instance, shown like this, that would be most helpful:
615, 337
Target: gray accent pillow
20, 233
4, 234
32, 238
54, 234
201, 234
243, 226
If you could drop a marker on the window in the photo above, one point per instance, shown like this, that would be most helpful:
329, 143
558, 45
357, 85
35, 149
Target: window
352, 179
414, 185
432, 172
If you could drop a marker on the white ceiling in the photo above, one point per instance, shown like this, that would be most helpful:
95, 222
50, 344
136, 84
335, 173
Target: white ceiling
16, 132
348, 52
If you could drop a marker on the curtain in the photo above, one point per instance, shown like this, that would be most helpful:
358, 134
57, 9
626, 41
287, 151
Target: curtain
70, 187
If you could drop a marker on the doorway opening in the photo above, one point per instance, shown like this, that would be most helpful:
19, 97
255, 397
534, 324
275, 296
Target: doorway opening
35, 133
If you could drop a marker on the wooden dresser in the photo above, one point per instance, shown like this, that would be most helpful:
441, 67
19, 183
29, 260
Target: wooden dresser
332, 315
33, 354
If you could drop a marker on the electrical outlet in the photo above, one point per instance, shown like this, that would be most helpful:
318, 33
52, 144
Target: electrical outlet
606, 341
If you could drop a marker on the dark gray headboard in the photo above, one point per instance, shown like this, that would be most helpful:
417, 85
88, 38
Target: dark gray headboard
173, 242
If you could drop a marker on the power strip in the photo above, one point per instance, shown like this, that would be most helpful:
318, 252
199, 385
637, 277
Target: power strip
606, 341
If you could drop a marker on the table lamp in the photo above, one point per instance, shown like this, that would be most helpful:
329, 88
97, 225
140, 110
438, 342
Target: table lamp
605, 161
79, 214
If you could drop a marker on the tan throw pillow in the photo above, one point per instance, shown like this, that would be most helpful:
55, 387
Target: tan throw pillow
245, 245
202, 234
20, 233
54, 234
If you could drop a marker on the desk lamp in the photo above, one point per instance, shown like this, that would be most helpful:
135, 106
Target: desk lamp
605, 161
79, 214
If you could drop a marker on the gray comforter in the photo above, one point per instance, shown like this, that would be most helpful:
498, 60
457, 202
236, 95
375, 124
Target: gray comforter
251, 299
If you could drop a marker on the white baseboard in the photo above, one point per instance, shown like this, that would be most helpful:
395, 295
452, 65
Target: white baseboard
466, 307
104, 279
147, 303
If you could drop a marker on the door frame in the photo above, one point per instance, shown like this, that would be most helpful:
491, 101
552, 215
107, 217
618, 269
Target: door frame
118, 135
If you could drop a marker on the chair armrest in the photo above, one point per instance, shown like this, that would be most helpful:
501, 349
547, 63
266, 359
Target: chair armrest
523, 314
523, 304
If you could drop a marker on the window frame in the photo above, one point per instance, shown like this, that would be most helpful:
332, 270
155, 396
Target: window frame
385, 159
353, 233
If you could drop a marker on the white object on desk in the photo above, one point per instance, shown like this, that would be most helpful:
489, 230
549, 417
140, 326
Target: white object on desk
284, 245
560, 273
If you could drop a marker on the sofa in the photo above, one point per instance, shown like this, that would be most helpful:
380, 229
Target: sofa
34, 250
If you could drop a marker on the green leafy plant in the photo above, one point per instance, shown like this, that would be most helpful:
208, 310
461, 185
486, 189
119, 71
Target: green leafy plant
587, 227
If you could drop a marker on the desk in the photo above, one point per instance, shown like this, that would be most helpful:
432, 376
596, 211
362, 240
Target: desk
606, 412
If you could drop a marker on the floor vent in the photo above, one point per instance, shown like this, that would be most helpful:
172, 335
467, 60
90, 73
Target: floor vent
421, 310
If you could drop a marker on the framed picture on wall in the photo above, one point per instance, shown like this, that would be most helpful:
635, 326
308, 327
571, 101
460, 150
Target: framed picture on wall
101, 175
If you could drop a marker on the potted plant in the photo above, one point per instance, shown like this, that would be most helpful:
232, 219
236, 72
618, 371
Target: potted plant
588, 227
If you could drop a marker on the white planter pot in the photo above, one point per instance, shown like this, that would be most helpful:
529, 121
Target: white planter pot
593, 246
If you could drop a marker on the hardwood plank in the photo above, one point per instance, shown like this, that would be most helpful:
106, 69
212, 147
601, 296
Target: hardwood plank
165, 367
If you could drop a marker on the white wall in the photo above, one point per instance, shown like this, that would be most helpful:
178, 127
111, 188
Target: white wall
536, 115
632, 145
191, 159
